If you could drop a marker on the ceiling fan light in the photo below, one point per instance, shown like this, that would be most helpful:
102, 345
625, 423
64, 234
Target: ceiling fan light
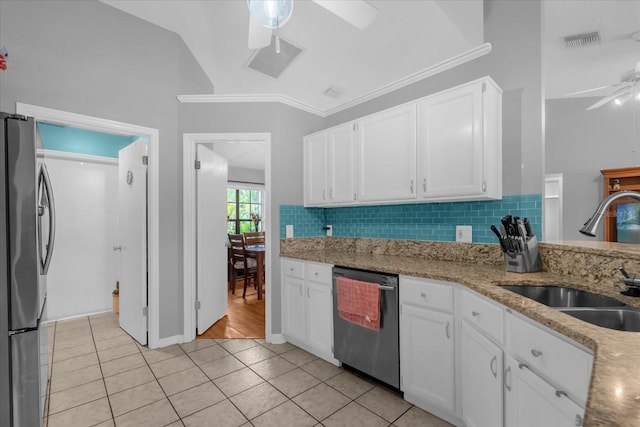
617, 101
271, 13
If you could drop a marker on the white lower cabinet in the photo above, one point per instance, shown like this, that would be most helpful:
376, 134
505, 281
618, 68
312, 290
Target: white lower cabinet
294, 313
427, 363
308, 306
532, 402
481, 378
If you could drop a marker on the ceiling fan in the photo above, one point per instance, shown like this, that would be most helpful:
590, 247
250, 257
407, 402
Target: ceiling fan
628, 87
269, 15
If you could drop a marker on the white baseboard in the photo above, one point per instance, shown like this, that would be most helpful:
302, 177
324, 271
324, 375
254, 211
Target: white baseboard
276, 339
165, 342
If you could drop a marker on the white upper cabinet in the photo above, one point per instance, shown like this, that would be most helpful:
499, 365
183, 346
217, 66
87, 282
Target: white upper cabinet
329, 158
446, 146
315, 169
460, 143
386, 147
341, 158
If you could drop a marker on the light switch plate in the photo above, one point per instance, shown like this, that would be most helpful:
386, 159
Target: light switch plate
463, 233
289, 231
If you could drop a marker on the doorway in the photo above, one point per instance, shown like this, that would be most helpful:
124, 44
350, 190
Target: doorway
191, 142
64, 118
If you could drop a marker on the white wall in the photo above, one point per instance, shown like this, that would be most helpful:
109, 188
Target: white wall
84, 267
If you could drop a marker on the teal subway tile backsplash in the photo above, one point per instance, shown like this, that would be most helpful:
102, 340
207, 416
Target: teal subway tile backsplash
419, 221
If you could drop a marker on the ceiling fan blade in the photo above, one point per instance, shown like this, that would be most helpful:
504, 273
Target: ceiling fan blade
259, 36
595, 89
358, 13
620, 93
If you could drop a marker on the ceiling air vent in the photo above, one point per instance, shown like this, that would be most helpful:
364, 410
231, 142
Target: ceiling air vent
333, 92
585, 39
268, 61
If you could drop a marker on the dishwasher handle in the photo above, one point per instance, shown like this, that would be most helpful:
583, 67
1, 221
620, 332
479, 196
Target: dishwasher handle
386, 288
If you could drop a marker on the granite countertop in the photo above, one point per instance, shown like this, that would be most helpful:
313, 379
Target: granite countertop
614, 392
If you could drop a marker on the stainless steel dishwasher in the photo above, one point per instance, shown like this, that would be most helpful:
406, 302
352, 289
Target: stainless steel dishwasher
373, 352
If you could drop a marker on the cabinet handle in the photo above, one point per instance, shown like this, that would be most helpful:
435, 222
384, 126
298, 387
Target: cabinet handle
522, 366
308, 294
560, 393
446, 330
507, 378
536, 353
578, 420
331, 194
355, 196
316, 274
411, 186
494, 369
424, 185
324, 194
475, 314
423, 295
300, 289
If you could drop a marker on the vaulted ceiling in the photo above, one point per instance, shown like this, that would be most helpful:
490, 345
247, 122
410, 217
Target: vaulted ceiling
405, 38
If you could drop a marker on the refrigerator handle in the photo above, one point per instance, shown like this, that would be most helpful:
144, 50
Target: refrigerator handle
46, 181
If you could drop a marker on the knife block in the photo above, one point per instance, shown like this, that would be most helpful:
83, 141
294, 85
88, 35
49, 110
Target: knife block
527, 261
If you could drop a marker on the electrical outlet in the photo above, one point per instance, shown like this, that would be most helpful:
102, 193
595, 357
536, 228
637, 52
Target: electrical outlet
463, 233
329, 229
289, 231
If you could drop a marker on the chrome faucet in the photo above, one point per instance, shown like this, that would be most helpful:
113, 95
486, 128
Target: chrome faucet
589, 227
632, 283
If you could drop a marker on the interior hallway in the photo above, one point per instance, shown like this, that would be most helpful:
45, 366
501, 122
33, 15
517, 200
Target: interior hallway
245, 316
101, 377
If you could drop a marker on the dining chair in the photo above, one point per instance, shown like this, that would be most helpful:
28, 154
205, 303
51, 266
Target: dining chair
244, 267
254, 238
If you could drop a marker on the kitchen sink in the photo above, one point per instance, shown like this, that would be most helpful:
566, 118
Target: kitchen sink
622, 319
557, 296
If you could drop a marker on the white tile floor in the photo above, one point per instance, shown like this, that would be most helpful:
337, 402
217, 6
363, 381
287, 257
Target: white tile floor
101, 377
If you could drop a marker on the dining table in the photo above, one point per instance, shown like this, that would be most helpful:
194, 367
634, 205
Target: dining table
257, 252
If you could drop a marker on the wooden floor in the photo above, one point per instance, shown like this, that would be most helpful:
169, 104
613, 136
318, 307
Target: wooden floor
244, 319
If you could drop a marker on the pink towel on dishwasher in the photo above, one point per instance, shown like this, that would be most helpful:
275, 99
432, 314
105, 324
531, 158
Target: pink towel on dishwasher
359, 302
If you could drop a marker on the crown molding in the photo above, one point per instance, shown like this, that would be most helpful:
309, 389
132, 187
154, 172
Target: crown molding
259, 97
445, 65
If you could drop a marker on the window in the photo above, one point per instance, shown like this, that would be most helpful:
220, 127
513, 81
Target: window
244, 210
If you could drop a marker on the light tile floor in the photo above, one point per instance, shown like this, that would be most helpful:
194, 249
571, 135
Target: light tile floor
101, 377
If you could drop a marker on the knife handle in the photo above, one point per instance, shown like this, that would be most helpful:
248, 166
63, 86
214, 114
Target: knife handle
500, 238
527, 227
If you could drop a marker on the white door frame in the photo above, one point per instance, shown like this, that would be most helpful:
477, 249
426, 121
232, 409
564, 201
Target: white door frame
49, 115
190, 141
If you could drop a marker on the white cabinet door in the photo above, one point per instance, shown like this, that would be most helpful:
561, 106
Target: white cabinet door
315, 169
532, 402
386, 146
481, 380
294, 313
450, 143
340, 164
427, 359
319, 317
460, 143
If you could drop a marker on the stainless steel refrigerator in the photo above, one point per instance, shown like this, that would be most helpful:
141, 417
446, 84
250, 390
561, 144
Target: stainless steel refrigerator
27, 232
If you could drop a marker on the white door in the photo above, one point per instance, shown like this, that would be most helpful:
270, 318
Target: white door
315, 169
340, 161
294, 316
320, 317
481, 379
211, 238
450, 139
386, 147
132, 232
426, 351
530, 401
